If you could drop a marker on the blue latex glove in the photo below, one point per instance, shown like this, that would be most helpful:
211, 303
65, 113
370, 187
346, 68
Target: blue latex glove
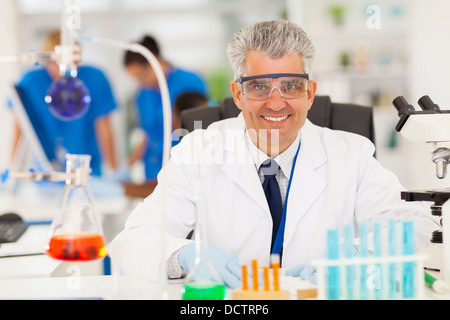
122, 173
225, 263
105, 188
304, 271
308, 272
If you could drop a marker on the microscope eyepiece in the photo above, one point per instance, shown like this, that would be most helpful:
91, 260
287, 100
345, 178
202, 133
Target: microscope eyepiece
402, 106
427, 104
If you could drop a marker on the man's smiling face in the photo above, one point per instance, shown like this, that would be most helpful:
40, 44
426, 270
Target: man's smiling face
273, 123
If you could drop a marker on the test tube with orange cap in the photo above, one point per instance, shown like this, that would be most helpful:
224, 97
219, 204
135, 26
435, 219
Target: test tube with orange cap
255, 274
244, 277
275, 262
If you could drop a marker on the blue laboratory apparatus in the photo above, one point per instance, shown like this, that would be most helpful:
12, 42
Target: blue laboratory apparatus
334, 286
408, 248
367, 265
68, 98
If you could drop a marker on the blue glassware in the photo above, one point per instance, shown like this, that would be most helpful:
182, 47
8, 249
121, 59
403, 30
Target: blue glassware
68, 98
408, 268
334, 285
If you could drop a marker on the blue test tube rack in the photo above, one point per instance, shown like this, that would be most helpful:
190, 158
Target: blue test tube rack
386, 268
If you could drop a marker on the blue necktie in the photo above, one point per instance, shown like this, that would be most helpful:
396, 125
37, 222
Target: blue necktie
273, 195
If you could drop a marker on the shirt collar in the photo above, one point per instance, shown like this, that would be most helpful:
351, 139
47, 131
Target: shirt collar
285, 159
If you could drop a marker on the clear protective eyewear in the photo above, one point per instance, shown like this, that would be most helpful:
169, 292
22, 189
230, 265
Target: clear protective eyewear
260, 87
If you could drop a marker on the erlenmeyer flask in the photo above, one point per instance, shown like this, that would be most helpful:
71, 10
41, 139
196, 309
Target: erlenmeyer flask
76, 233
203, 281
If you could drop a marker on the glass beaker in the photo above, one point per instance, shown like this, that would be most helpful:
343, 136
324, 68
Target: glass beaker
76, 233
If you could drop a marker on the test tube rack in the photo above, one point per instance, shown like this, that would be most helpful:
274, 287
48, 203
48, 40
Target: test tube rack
376, 276
377, 273
268, 292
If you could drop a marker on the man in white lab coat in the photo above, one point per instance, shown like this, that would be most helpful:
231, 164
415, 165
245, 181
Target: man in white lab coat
327, 179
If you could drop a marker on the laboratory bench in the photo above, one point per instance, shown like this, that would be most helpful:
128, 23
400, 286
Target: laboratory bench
84, 287
26, 272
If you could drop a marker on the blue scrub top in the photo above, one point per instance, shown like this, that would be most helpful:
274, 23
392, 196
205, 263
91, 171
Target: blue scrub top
58, 136
150, 114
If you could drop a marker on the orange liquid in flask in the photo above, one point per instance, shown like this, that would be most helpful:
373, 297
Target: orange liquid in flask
77, 247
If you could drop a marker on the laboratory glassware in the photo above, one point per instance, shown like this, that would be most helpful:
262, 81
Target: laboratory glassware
68, 98
76, 233
203, 282
333, 274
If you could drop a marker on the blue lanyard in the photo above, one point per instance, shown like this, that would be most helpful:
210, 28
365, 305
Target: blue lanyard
278, 245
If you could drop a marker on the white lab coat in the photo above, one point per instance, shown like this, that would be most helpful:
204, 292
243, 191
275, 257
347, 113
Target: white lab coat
336, 181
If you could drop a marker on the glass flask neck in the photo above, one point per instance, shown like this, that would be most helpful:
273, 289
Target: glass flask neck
78, 169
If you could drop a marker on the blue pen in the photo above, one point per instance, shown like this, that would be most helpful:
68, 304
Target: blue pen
392, 251
350, 270
408, 248
333, 292
363, 236
377, 252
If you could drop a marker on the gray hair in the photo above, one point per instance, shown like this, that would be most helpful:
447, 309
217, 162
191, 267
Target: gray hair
275, 39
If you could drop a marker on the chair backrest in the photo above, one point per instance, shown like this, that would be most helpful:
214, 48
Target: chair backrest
339, 116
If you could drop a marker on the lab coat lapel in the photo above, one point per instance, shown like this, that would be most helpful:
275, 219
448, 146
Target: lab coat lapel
306, 185
239, 165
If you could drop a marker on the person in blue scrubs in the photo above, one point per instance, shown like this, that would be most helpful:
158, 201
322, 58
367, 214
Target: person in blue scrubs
149, 104
90, 134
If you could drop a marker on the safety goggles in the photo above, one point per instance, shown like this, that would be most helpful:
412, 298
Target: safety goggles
260, 87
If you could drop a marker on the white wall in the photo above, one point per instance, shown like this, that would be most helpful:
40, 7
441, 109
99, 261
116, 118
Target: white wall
430, 75
430, 51
417, 35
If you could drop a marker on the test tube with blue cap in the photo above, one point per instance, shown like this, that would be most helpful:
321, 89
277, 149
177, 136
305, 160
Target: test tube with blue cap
334, 286
392, 251
377, 252
408, 268
381, 271
349, 253
364, 244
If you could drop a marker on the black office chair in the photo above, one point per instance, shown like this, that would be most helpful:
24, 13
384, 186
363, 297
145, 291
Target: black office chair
339, 116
